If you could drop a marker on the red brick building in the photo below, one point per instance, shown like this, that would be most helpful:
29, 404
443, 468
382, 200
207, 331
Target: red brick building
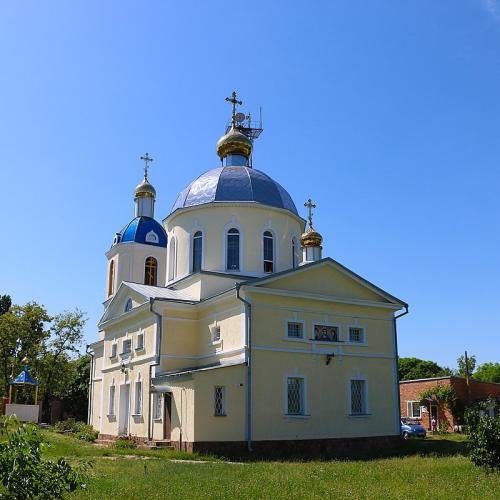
412, 406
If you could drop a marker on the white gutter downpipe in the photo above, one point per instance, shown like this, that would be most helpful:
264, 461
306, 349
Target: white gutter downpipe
248, 361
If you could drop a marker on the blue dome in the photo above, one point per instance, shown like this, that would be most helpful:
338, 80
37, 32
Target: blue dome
142, 230
235, 184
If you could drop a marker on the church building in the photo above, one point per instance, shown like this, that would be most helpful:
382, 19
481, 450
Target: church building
226, 329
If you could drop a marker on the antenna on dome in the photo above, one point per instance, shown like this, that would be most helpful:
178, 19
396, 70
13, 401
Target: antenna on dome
242, 122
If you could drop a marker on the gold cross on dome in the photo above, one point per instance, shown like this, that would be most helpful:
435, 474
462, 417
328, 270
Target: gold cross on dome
310, 205
233, 101
147, 160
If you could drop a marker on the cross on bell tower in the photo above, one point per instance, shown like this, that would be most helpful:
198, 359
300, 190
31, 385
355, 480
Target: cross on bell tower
234, 102
310, 205
147, 160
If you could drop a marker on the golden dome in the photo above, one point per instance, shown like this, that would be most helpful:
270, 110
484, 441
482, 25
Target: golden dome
311, 238
234, 143
145, 190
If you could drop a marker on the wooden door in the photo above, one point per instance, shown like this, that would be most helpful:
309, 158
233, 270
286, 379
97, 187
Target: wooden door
167, 412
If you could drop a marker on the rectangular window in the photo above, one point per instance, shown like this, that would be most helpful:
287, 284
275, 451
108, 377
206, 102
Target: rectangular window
413, 409
295, 330
356, 334
111, 407
326, 333
233, 250
295, 396
113, 351
358, 397
127, 346
156, 406
138, 398
216, 334
219, 401
140, 342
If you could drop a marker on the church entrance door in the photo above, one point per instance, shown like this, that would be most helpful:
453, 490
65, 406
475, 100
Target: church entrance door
124, 410
167, 415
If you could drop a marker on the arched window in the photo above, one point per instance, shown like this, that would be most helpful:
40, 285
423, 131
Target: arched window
172, 261
233, 250
295, 253
197, 251
268, 252
111, 278
128, 305
150, 271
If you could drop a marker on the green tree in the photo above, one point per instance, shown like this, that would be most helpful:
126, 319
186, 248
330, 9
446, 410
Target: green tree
461, 368
488, 372
76, 393
413, 368
5, 303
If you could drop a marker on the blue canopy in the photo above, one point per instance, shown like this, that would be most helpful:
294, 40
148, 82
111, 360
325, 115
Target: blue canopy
24, 378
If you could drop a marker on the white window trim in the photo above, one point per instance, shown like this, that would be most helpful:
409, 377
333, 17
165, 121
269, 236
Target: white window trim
123, 354
409, 404
305, 414
230, 225
367, 412
319, 323
297, 339
275, 250
115, 345
224, 408
194, 230
348, 338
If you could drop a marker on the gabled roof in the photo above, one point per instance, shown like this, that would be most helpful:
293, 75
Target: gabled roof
328, 261
158, 292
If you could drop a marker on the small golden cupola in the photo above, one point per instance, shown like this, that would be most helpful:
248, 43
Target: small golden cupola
145, 193
311, 240
235, 147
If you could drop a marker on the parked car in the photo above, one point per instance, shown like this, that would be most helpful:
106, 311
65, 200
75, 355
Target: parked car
412, 429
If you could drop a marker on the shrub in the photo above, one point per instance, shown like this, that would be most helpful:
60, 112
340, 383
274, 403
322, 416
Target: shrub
484, 439
125, 444
87, 433
81, 429
24, 474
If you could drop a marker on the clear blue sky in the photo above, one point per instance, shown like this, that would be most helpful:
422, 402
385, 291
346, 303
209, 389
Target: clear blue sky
386, 113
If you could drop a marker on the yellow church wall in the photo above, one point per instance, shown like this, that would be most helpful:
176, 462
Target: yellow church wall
270, 315
230, 427
327, 390
215, 220
95, 421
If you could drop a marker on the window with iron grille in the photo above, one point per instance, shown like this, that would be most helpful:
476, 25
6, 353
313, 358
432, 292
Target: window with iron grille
295, 396
358, 397
140, 341
127, 346
111, 408
219, 401
295, 330
138, 397
268, 252
156, 406
215, 334
356, 334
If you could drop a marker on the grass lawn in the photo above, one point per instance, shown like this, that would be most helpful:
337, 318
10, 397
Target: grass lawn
434, 468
